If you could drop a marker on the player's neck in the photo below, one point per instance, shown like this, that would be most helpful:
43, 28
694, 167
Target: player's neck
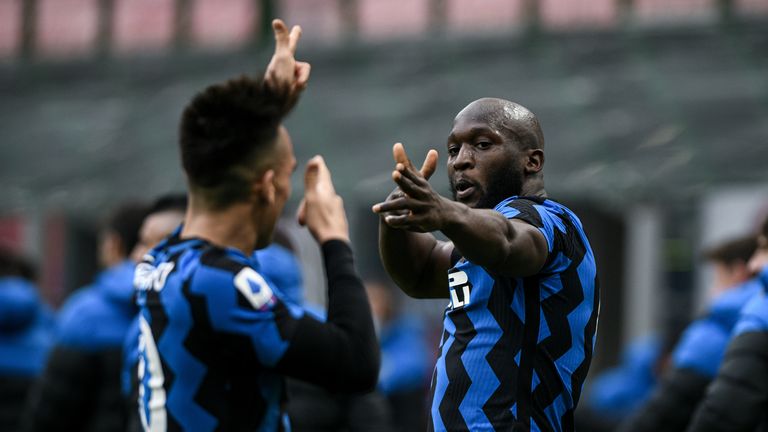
224, 228
534, 187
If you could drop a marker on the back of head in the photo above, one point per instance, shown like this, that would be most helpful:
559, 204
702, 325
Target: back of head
19, 302
732, 252
730, 260
174, 202
227, 133
14, 265
121, 233
163, 216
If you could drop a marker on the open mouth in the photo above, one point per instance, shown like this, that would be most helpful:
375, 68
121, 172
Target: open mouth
464, 189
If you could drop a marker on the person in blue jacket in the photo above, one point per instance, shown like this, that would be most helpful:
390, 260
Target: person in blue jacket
737, 399
26, 336
163, 216
405, 359
80, 386
617, 392
699, 352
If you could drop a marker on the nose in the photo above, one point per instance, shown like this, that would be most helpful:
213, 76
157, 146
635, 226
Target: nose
465, 159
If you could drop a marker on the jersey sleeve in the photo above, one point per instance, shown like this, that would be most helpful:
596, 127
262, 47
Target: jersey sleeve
240, 303
534, 214
561, 230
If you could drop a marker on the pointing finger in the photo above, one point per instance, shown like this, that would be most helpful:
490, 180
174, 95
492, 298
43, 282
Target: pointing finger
281, 34
398, 152
293, 38
430, 164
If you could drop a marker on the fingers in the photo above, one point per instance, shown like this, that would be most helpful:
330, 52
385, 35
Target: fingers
405, 222
409, 182
317, 177
392, 205
430, 164
301, 213
282, 38
302, 74
398, 152
293, 38
311, 174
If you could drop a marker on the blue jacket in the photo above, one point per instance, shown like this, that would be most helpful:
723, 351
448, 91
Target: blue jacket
738, 396
26, 328
80, 387
617, 392
97, 317
278, 265
702, 345
405, 360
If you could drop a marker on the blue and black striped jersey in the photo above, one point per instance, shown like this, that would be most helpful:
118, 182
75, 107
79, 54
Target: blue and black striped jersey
515, 351
212, 331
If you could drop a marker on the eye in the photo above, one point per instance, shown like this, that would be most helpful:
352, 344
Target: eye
453, 150
483, 145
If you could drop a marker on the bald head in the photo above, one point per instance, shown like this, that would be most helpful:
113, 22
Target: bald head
508, 118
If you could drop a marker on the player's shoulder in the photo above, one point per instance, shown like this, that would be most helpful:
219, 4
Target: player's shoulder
221, 272
548, 216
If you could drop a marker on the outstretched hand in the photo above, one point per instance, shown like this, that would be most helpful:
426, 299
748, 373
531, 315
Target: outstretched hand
322, 210
414, 205
283, 71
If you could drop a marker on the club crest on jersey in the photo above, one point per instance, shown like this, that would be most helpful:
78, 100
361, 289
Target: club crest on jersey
460, 289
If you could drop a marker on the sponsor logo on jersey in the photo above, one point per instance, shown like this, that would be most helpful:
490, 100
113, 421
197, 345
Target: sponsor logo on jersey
460, 289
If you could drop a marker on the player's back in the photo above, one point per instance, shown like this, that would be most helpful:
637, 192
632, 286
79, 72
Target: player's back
209, 340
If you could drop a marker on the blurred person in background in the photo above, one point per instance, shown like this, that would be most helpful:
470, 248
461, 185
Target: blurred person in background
26, 336
310, 407
163, 216
698, 354
405, 368
518, 269
737, 399
617, 392
80, 386
207, 315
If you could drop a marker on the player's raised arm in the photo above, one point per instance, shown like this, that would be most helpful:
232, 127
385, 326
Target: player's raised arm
344, 351
486, 237
416, 261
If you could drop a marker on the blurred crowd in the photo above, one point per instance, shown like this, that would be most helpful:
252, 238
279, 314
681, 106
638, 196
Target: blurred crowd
709, 375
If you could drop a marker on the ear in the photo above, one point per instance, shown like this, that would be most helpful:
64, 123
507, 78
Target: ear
534, 161
264, 187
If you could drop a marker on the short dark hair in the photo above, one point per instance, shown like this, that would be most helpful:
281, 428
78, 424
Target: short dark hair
734, 251
224, 131
125, 221
169, 202
14, 264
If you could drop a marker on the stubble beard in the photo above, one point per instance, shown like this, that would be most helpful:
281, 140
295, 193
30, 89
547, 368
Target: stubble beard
506, 182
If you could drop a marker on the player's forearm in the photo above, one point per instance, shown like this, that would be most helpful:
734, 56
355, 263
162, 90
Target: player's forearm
405, 256
348, 309
344, 351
